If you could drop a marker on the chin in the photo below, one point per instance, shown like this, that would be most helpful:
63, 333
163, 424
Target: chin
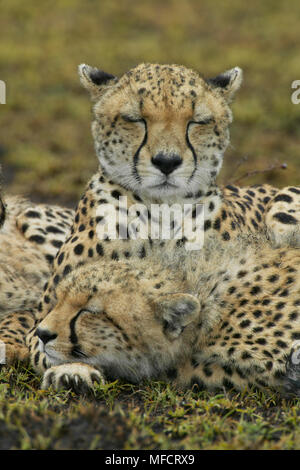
162, 192
159, 187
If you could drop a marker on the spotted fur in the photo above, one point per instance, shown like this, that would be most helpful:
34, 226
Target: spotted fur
30, 236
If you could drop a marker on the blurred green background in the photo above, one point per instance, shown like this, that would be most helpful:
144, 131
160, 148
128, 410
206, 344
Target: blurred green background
45, 143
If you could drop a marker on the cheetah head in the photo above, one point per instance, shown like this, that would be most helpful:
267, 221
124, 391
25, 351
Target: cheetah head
119, 325
161, 130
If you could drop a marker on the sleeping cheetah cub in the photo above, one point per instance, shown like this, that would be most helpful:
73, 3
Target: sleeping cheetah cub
229, 318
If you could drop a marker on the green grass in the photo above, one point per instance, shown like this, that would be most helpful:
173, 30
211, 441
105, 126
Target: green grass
151, 416
45, 142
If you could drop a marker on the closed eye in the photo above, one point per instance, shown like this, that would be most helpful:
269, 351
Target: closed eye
202, 122
85, 310
131, 118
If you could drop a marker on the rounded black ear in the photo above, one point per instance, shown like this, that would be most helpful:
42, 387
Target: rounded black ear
95, 80
227, 82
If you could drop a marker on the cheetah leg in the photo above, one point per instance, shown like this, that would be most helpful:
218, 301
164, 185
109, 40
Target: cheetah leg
13, 330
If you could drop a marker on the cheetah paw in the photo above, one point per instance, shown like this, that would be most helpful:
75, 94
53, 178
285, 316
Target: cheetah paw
73, 376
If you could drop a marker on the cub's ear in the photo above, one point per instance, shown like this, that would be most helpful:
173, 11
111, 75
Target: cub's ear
227, 82
176, 312
95, 80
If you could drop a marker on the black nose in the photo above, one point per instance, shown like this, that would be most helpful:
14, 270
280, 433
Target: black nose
45, 335
166, 163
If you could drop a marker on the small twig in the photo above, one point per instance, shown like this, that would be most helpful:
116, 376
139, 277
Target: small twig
248, 174
240, 162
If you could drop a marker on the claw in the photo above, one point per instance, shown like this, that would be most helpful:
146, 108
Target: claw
64, 381
96, 378
65, 377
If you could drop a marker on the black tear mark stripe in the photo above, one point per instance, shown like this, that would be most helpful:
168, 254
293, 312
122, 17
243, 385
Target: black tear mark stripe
73, 335
191, 149
136, 155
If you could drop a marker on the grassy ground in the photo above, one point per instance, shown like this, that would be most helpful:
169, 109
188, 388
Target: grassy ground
152, 416
45, 142
47, 153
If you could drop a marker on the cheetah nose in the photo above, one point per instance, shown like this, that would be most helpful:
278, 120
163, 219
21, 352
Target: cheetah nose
45, 335
166, 163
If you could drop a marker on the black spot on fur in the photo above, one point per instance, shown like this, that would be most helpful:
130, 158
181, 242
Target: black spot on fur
33, 214
285, 218
283, 197
78, 249
37, 239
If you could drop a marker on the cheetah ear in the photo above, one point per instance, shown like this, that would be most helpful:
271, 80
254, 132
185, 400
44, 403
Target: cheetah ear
95, 80
177, 311
227, 82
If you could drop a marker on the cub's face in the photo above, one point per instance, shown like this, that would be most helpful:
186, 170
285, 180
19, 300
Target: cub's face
161, 130
125, 330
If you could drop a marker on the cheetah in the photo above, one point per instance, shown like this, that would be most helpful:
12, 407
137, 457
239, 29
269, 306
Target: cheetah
160, 132
30, 236
229, 318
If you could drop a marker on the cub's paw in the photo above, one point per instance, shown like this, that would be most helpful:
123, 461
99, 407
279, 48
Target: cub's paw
75, 376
